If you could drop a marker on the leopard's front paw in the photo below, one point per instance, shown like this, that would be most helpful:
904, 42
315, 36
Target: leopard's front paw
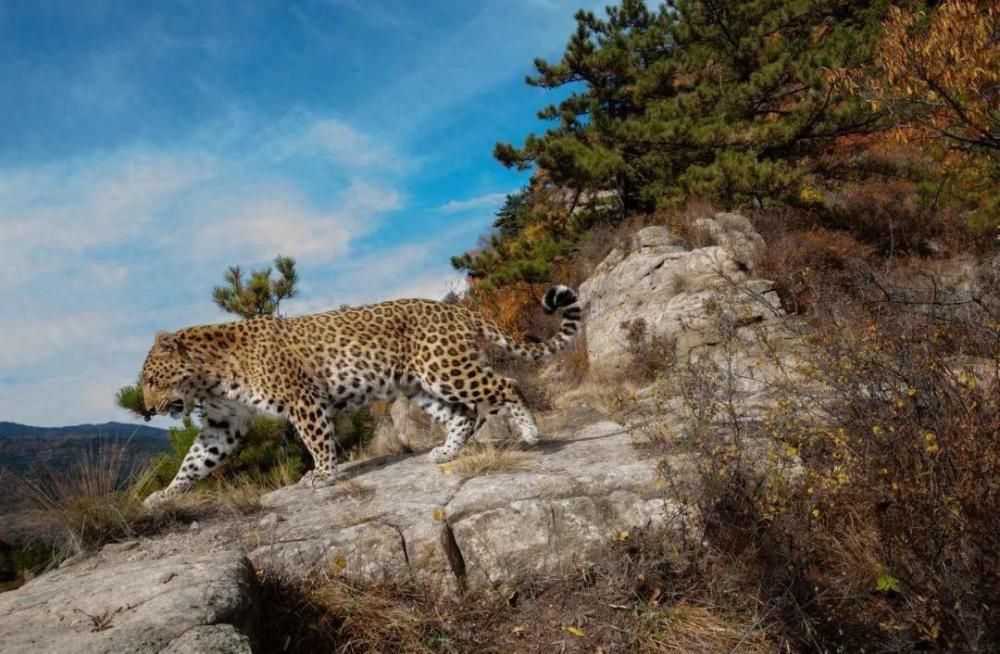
155, 500
441, 455
324, 481
318, 479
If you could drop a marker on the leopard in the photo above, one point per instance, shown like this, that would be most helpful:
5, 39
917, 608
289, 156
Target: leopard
305, 369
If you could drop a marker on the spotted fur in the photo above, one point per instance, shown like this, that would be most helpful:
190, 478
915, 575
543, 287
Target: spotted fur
306, 367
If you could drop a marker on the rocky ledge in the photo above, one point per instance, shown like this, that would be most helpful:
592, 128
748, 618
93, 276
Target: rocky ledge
542, 513
392, 518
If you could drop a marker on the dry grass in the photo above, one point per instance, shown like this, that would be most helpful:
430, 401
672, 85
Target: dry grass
650, 353
808, 266
683, 628
95, 502
571, 366
640, 595
327, 615
682, 223
99, 501
860, 505
598, 243
359, 517
477, 459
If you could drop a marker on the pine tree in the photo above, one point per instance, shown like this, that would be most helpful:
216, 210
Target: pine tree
586, 151
498, 263
731, 102
725, 100
510, 218
260, 295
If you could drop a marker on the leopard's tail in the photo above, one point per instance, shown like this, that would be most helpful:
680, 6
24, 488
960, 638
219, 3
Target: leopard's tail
557, 298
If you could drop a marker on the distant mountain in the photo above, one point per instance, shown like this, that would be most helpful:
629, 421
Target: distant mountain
113, 430
25, 451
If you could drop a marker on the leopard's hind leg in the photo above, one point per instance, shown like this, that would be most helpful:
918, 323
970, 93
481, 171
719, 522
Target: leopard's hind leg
505, 395
458, 419
482, 387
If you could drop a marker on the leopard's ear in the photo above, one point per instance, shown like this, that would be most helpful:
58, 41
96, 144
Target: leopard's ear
169, 342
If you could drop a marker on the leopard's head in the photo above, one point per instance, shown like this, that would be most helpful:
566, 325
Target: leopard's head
168, 376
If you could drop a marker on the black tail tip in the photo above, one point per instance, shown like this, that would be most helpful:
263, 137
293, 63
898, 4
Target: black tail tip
556, 297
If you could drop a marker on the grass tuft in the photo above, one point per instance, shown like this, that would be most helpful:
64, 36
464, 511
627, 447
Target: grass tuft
640, 595
326, 615
95, 502
683, 628
99, 501
486, 458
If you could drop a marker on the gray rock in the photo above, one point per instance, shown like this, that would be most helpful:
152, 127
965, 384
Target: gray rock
404, 517
390, 518
489, 491
269, 521
105, 605
527, 538
210, 639
677, 292
496, 428
404, 428
655, 236
365, 553
734, 233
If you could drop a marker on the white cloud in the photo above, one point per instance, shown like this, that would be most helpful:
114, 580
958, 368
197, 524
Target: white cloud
410, 270
433, 286
284, 223
275, 225
490, 200
346, 145
106, 274
303, 134
28, 342
53, 212
364, 197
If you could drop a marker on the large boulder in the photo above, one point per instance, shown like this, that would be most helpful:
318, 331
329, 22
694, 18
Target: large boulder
403, 428
675, 291
114, 601
406, 428
520, 515
403, 517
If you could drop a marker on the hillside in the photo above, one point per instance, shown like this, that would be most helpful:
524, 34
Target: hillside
24, 450
776, 431
621, 534
103, 430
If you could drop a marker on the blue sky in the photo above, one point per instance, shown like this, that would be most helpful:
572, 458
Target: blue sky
147, 146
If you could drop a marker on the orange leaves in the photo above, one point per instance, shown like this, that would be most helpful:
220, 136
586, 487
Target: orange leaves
946, 64
510, 306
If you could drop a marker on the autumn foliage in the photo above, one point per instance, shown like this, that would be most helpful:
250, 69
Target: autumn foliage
940, 70
936, 78
511, 306
815, 106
